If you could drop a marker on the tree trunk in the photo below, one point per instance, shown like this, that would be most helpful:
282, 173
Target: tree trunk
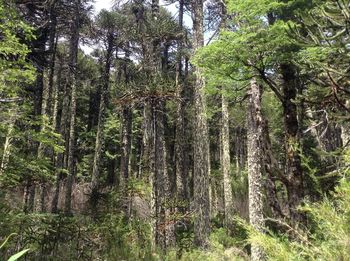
42, 149
125, 153
62, 129
101, 119
271, 168
294, 170
38, 100
345, 129
226, 162
8, 140
200, 142
160, 176
72, 82
255, 168
181, 170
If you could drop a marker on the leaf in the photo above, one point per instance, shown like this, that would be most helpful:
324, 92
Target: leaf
4, 243
18, 255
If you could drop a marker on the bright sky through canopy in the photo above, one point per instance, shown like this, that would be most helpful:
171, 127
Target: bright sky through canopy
102, 4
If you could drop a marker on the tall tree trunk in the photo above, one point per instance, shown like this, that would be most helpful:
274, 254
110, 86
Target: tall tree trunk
225, 142
53, 39
294, 170
42, 149
345, 129
46, 111
72, 82
200, 142
38, 99
126, 145
271, 169
148, 164
125, 154
255, 168
160, 176
8, 140
181, 170
62, 129
101, 119
126, 139
226, 162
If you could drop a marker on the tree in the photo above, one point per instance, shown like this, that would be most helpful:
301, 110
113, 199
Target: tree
107, 22
15, 72
200, 139
255, 123
72, 84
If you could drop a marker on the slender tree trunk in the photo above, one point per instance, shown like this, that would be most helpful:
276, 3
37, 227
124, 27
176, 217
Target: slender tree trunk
47, 99
42, 149
71, 148
226, 162
38, 100
125, 154
62, 129
200, 142
101, 119
148, 165
53, 39
181, 170
72, 82
126, 132
255, 168
271, 168
345, 129
294, 169
29, 196
8, 141
160, 175
126, 144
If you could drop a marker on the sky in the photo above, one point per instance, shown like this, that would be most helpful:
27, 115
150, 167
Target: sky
102, 4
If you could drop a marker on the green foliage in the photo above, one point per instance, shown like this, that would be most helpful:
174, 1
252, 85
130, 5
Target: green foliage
221, 247
126, 241
14, 68
18, 255
16, 122
328, 236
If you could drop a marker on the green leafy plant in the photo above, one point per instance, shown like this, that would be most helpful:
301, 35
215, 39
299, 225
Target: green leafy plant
17, 255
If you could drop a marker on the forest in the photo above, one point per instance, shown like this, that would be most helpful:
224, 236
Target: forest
175, 130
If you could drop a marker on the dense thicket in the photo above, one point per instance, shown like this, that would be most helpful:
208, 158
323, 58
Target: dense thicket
137, 134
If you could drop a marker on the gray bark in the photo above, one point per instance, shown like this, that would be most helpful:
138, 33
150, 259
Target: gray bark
62, 129
181, 172
200, 140
101, 118
226, 162
8, 140
295, 186
255, 168
72, 82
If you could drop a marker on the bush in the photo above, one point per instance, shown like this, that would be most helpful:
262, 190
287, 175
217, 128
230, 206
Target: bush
328, 237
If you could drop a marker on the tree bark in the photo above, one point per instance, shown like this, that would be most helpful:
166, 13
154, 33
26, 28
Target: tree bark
294, 169
125, 155
101, 119
200, 142
42, 149
72, 82
181, 170
271, 168
62, 130
226, 162
255, 168
8, 140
